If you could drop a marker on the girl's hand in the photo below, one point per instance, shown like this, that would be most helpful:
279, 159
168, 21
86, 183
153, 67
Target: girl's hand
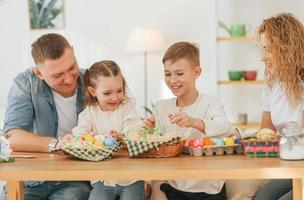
92, 133
181, 119
148, 190
117, 136
149, 122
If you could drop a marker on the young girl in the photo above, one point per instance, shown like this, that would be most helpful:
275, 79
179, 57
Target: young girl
282, 41
108, 110
191, 115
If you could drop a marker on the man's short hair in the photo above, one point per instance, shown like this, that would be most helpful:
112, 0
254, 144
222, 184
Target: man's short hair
49, 46
181, 50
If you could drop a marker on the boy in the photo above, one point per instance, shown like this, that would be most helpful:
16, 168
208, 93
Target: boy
190, 114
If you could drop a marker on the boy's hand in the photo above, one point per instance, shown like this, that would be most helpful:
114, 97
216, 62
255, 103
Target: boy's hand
181, 119
149, 122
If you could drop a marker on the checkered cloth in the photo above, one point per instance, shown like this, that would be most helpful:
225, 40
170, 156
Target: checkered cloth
90, 154
138, 147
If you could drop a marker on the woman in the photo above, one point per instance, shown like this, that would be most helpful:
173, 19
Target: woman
282, 41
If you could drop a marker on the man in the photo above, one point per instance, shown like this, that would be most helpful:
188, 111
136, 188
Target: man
43, 105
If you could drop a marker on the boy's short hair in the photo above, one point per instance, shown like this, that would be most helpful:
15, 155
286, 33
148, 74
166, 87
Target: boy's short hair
181, 50
49, 46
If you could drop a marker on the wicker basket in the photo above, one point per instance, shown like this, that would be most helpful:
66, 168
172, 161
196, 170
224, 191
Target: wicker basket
164, 150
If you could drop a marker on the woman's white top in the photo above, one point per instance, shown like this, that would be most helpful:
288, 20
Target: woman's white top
275, 101
123, 119
211, 111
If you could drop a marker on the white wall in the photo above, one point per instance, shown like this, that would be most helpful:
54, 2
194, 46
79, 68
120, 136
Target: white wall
98, 29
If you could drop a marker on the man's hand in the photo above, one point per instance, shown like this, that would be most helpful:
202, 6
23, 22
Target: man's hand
24, 141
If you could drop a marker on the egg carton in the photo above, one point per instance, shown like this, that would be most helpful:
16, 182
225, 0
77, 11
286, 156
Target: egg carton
261, 148
215, 150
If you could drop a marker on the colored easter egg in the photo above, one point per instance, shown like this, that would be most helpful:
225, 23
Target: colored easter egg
109, 141
88, 137
229, 141
207, 142
237, 141
218, 142
195, 143
97, 143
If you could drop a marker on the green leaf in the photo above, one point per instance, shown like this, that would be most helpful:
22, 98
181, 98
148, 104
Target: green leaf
43, 16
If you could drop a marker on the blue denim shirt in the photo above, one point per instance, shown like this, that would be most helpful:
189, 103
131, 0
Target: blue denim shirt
31, 107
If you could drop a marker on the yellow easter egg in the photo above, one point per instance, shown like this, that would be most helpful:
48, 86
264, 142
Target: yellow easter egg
88, 137
97, 143
229, 141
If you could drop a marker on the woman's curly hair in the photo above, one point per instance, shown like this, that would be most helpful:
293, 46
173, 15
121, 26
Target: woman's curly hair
285, 36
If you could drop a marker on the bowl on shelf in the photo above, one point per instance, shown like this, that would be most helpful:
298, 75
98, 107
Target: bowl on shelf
250, 75
235, 75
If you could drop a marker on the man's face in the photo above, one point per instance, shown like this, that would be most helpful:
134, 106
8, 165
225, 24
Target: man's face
60, 74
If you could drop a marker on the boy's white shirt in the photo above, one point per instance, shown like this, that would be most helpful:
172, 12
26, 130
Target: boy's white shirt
206, 107
123, 119
276, 102
211, 111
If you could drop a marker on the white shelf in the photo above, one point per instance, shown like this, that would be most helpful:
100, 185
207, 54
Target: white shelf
237, 39
241, 82
247, 126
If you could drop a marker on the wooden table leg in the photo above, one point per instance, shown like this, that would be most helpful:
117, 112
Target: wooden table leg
297, 186
15, 190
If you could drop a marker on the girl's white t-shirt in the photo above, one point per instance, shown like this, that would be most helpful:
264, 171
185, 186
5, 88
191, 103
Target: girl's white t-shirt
123, 119
211, 111
276, 102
